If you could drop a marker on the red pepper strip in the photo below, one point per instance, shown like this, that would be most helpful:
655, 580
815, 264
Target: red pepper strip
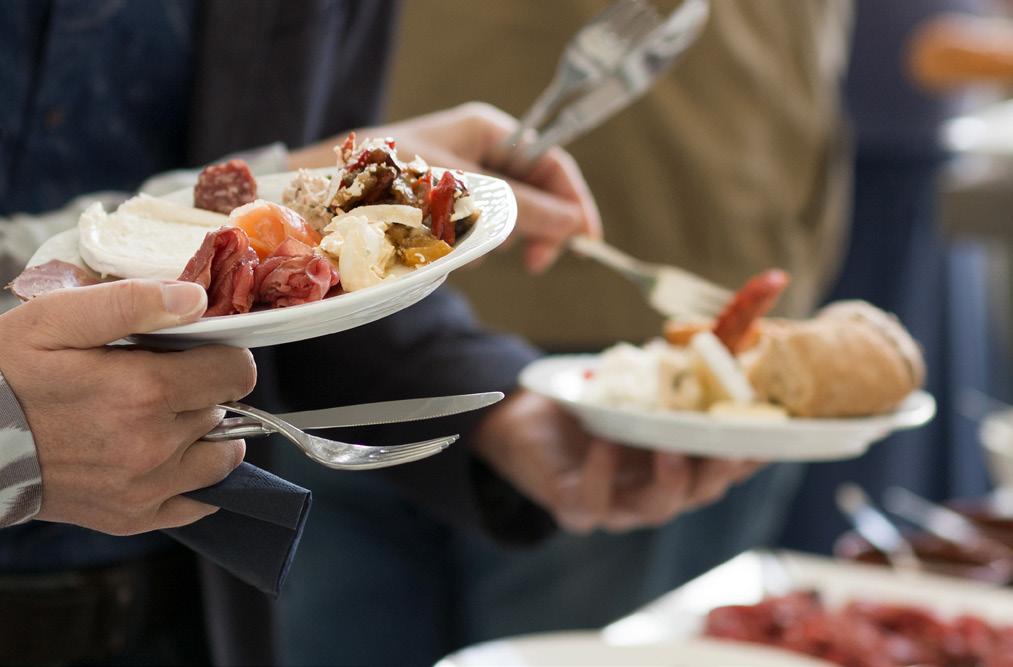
441, 205
749, 304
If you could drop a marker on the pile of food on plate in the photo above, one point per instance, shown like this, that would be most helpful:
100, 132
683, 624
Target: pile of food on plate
850, 360
377, 217
864, 634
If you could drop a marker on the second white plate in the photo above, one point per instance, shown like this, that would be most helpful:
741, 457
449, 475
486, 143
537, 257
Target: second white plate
562, 379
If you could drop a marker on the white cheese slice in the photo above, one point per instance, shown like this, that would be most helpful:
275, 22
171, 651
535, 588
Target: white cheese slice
137, 242
146, 206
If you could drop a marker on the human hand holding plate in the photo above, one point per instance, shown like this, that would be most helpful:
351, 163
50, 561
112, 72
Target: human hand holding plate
588, 483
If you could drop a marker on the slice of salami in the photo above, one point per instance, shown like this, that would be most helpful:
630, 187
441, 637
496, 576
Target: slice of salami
52, 275
225, 186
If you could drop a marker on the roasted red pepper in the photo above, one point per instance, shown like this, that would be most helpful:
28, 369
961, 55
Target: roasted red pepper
749, 304
441, 206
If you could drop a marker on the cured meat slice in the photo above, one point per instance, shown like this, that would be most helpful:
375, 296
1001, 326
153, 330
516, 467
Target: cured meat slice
293, 275
225, 186
52, 275
224, 266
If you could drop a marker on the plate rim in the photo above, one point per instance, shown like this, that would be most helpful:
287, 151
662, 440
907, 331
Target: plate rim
351, 302
910, 417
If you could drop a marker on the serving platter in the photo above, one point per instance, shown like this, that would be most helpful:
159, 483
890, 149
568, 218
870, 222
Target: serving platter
666, 632
592, 649
749, 577
492, 196
562, 379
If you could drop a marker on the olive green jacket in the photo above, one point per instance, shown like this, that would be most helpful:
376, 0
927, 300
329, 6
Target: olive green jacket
736, 161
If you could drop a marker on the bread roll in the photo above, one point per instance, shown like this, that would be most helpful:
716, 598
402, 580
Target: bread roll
851, 360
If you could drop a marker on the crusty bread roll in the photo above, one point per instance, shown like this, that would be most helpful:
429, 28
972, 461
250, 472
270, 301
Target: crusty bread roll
851, 360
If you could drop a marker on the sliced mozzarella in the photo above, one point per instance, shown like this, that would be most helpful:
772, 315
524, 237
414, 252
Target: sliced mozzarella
722, 369
146, 206
129, 245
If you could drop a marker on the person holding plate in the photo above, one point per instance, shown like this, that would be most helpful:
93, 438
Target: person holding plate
100, 96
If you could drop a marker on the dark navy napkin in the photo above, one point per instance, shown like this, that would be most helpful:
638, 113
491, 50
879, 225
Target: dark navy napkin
256, 532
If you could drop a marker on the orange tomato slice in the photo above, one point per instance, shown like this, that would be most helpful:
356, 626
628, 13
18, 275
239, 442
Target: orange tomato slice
269, 224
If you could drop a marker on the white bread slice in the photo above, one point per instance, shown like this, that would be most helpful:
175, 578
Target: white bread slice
144, 238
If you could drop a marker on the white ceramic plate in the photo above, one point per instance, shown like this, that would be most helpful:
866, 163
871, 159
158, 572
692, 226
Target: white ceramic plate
747, 578
492, 196
591, 649
562, 378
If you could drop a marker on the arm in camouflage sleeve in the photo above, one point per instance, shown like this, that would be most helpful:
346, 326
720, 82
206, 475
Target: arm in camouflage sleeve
20, 479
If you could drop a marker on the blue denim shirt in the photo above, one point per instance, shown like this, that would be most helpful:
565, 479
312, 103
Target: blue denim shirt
93, 96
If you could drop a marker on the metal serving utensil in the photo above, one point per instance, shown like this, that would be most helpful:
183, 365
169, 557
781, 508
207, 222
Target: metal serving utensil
940, 521
672, 291
878, 530
624, 68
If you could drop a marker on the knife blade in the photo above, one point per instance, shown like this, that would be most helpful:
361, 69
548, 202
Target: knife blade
366, 414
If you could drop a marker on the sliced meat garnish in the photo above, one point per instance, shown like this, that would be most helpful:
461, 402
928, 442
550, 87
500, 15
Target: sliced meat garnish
749, 304
224, 266
52, 275
293, 275
225, 186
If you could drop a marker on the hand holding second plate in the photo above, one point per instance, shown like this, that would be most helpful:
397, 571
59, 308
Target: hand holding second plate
553, 200
116, 427
588, 483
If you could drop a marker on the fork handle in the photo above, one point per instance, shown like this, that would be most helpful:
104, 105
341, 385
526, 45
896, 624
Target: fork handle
268, 420
233, 428
611, 257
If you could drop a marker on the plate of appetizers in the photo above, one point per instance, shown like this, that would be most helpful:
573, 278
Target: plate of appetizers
286, 257
839, 612
745, 386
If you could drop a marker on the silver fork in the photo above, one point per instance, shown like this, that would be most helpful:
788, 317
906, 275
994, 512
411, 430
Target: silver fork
597, 49
626, 67
344, 455
672, 291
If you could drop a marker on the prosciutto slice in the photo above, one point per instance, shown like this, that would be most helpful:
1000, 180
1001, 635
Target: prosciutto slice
52, 275
224, 266
293, 275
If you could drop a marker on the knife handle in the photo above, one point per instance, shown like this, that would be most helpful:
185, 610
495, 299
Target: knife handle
233, 428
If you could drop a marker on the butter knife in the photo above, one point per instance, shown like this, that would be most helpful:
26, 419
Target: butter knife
366, 414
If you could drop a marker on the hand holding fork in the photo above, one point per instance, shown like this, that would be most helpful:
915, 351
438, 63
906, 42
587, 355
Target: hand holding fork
608, 64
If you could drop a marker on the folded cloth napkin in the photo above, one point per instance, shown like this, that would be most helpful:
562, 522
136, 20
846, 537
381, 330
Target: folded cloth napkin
256, 532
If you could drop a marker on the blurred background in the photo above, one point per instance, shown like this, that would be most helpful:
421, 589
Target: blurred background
814, 136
